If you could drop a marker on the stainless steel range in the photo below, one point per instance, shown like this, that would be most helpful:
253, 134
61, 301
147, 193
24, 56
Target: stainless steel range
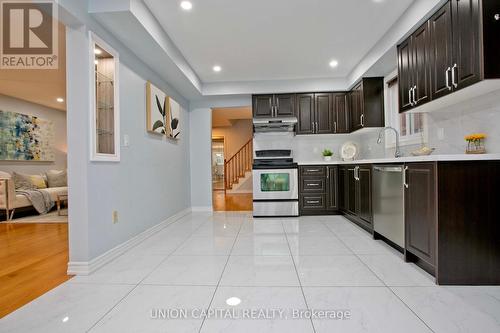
275, 184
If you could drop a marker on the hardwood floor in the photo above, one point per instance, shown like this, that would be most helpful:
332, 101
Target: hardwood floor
33, 260
231, 202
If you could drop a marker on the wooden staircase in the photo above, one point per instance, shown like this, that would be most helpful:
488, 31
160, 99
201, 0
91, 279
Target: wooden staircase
240, 163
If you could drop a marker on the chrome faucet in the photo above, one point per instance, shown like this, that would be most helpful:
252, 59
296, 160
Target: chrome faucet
379, 140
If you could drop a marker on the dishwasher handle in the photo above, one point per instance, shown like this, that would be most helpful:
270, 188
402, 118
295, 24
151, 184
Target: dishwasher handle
398, 169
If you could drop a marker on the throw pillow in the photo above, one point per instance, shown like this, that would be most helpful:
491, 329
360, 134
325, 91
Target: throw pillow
57, 178
22, 181
38, 181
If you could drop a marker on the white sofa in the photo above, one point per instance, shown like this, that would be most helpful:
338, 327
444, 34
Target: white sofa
9, 200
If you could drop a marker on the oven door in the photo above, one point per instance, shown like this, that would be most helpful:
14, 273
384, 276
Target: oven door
275, 184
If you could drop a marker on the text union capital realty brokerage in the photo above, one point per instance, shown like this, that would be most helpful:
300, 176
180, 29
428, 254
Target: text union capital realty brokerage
257, 314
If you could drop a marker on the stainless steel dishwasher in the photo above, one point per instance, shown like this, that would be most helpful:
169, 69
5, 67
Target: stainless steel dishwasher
388, 203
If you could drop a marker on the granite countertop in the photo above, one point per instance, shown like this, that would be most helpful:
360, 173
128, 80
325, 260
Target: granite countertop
431, 158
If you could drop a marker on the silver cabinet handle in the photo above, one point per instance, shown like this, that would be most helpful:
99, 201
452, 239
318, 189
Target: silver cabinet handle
312, 170
414, 99
312, 201
455, 67
312, 184
356, 173
327, 172
362, 120
448, 78
334, 127
404, 177
409, 96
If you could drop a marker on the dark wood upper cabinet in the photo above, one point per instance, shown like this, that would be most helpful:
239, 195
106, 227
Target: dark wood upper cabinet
420, 210
457, 47
333, 188
414, 69
263, 106
340, 113
305, 113
405, 78
366, 103
441, 52
323, 115
355, 107
270, 106
420, 41
285, 105
466, 68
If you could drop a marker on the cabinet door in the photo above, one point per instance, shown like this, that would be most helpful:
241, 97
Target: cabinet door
340, 113
467, 54
341, 193
305, 113
323, 115
285, 104
442, 52
364, 194
405, 79
351, 184
332, 191
420, 210
262, 106
420, 47
356, 107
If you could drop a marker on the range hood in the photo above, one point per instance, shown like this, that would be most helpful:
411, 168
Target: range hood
280, 124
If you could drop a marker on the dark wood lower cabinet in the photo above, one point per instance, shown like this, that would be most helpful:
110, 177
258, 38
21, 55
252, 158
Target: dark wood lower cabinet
420, 212
318, 190
451, 220
452, 227
357, 191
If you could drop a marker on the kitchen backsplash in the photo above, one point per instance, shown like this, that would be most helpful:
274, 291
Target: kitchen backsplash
446, 130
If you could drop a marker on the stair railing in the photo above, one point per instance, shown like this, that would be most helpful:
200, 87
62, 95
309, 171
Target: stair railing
236, 167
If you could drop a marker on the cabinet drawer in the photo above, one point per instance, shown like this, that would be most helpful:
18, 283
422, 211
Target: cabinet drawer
313, 171
313, 185
317, 202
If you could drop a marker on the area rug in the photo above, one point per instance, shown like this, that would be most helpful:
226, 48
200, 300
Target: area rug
51, 217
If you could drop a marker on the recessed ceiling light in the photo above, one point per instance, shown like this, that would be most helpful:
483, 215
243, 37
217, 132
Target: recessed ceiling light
334, 63
217, 68
186, 5
233, 301
97, 51
96, 62
65, 319
378, 1
60, 99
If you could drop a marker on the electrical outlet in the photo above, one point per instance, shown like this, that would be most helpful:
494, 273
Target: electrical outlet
115, 216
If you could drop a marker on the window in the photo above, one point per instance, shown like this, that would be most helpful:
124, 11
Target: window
105, 136
411, 126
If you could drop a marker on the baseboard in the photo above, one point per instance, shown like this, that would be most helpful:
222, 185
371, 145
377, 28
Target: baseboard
202, 209
87, 267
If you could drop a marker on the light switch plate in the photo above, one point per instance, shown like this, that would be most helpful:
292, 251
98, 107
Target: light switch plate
126, 140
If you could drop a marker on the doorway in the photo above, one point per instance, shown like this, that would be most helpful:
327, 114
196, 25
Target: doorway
218, 183
232, 157
33, 181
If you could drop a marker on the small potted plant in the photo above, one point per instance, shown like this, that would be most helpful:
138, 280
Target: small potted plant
475, 143
327, 155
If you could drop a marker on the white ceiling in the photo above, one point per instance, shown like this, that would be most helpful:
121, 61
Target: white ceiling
276, 39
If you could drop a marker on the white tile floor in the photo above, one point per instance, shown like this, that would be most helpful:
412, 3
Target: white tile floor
202, 260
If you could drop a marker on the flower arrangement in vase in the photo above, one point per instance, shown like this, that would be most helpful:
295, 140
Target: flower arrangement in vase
475, 143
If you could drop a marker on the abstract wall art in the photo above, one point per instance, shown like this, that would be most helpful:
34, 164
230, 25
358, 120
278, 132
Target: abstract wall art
25, 138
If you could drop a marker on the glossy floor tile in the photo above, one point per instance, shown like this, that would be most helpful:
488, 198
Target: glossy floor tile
206, 270
260, 271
